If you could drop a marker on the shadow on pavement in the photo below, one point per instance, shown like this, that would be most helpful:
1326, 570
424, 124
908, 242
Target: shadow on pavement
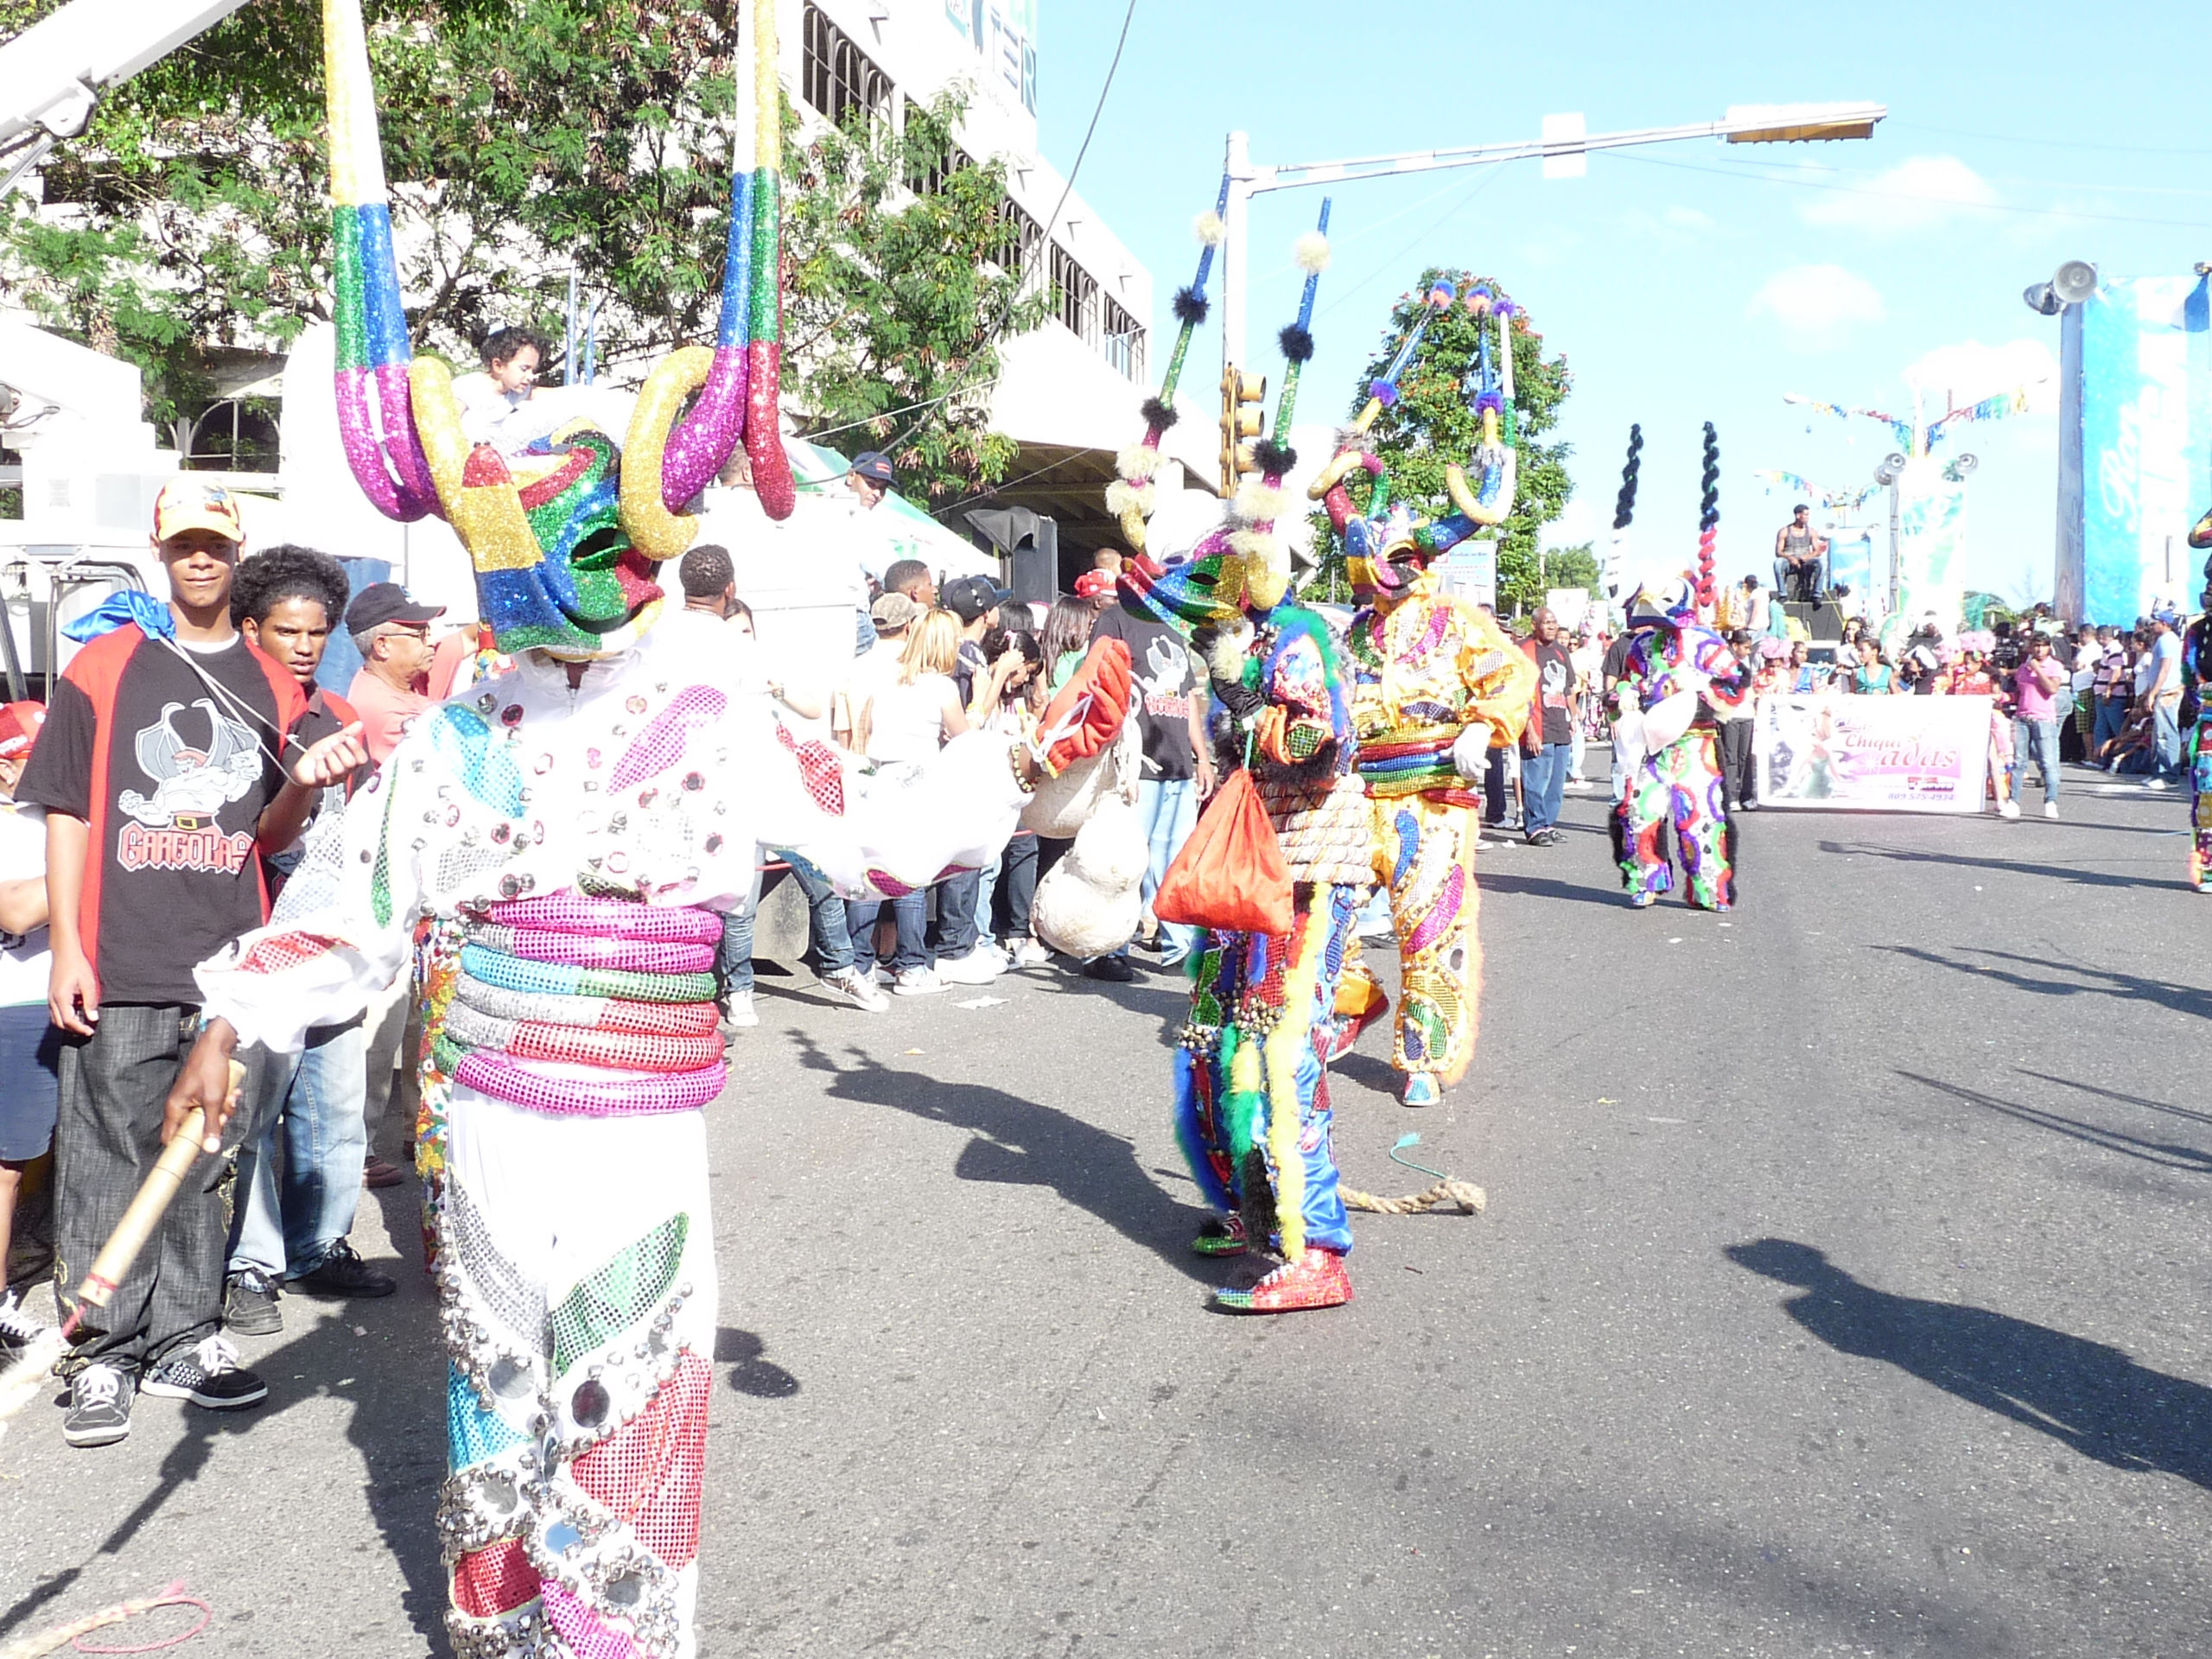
2084, 1395
2124, 1100
2070, 873
1025, 1143
397, 1424
1493, 879
750, 1373
2165, 1153
2182, 999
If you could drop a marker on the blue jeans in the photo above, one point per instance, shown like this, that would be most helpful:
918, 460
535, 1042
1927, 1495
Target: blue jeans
827, 923
911, 915
733, 955
2112, 720
2042, 736
1543, 776
957, 929
313, 1106
2166, 726
1169, 808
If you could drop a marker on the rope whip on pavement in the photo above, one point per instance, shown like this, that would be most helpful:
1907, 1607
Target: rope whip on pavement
21, 1383
71, 1634
1464, 1195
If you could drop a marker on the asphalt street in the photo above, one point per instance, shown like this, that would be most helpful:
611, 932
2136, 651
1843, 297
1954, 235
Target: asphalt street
1842, 1291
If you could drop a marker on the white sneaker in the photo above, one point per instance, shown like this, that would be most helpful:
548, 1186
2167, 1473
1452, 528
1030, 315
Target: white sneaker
2008, 809
916, 981
882, 976
739, 1010
862, 992
1027, 953
978, 967
2050, 808
2157, 783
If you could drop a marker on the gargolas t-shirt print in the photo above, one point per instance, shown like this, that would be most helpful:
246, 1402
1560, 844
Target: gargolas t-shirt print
172, 777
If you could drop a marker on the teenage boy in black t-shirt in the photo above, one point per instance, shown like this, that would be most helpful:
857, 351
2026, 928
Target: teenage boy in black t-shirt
167, 767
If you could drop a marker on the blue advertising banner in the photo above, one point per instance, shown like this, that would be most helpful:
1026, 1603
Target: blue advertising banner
1850, 563
2146, 441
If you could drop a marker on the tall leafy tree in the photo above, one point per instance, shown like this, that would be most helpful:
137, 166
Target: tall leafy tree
1432, 425
524, 140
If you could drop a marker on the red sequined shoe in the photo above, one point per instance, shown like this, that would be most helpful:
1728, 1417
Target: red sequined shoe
1317, 1279
1089, 711
1221, 1235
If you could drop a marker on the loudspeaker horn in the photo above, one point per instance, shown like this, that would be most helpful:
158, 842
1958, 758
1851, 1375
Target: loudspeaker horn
2043, 299
1965, 464
2075, 281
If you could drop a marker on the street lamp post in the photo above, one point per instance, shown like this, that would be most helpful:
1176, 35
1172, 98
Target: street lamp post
1561, 149
2064, 296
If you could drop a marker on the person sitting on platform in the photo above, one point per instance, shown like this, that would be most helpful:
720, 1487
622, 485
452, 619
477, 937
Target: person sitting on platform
1798, 551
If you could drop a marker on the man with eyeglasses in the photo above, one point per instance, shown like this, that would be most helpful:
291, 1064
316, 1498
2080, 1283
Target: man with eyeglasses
392, 632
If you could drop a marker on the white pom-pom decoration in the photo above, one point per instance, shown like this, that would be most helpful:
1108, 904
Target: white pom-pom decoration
1138, 461
1208, 228
1313, 253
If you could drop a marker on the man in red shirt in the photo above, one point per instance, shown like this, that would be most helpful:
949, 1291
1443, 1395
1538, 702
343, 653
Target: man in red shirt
173, 757
1548, 740
291, 1228
392, 633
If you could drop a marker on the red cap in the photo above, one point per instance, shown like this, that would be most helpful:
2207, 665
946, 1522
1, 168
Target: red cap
19, 724
1094, 584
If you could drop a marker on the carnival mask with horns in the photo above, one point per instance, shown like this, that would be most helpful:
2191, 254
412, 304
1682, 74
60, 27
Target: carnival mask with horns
1386, 545
565, 536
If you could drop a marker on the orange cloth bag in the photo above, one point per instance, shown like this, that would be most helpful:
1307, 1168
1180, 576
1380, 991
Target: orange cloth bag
1231, 875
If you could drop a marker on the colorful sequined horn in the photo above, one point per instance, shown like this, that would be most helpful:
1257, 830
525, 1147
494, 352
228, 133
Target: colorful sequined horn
740, 397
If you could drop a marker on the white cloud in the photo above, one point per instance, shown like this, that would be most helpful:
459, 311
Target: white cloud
1817, 305
1687, 218
1916, 194
1970, 370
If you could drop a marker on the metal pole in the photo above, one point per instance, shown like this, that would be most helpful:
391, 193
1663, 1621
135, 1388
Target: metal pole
1892, 599
1237, 163
2069, 580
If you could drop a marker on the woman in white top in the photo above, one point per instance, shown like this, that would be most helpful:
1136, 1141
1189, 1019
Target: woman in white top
912, 718
904, 722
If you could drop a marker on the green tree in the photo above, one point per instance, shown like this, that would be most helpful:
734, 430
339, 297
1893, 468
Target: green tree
1432, 425
1574, 567
523, 139
897, 298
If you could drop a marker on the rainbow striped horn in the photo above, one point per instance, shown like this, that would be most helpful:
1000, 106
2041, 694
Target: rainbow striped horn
738, 400
376, 413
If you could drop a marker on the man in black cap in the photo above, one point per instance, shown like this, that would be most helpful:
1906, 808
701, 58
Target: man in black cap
870, 477
392, 632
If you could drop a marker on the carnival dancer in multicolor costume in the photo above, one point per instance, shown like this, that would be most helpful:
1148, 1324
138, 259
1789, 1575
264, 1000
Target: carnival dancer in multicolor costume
2196, 672
560, 839
1673, 677
1436, 685
1252, 1094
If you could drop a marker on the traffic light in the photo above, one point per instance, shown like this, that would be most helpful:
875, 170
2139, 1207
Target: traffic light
1243, 421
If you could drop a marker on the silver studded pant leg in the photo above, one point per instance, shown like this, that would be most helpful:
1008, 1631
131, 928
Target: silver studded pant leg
576, 1282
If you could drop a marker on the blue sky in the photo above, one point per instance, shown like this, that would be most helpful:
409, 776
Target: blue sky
1690, 281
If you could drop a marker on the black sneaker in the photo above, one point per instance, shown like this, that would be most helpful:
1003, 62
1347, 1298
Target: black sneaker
100, 1406
1114, 969
342, 1273
250, 1304
208, 1373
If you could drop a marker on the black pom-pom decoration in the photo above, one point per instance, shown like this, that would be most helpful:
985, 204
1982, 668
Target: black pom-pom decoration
1159, 415
1274, 459
1297, 344
1190, 306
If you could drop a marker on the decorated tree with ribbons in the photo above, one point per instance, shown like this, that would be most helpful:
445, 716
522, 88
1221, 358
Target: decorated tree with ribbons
1432, 423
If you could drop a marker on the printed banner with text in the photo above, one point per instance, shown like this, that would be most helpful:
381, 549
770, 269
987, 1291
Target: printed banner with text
1882, 754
